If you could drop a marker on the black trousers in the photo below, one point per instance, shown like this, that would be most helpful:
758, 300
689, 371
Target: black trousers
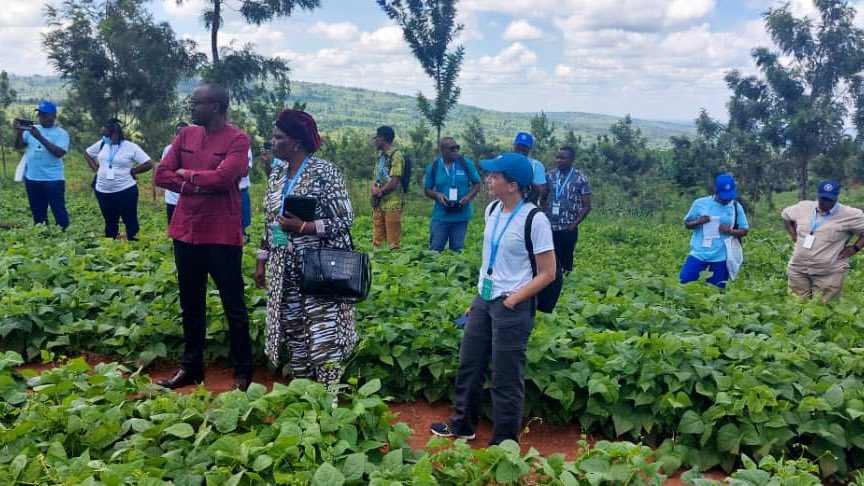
223, 263
116, 205
169, 210
500, 335
565, 245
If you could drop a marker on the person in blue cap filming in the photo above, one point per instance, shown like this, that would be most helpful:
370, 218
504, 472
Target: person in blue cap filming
713, 220
820, 230
501, 316
44, 179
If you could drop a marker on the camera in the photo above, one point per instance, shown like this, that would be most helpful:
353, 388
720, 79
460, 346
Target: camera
25, 123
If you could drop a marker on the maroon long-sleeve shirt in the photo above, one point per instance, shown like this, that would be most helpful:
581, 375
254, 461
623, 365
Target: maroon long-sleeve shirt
209, 211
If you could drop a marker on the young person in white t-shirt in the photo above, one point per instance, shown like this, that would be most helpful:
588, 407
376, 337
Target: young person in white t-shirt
501, 317
117, 163
171, 197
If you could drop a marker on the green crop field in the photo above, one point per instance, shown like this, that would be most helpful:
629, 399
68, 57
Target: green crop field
685, 376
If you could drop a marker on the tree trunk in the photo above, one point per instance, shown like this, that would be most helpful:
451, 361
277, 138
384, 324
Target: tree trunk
3, 155
214, 30
801, 164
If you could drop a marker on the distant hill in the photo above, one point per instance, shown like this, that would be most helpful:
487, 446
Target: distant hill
338, 107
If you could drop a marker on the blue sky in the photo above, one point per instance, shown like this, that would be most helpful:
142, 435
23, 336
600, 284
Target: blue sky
659, 59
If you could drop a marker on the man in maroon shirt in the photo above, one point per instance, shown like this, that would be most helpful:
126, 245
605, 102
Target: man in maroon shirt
204, 165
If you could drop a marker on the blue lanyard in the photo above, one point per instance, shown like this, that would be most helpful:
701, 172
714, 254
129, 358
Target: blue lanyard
816, 223
559, 189
112, 152
288, 189
381, 168
451, 172
496, 242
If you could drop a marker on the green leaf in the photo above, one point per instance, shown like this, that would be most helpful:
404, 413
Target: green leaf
327, 475
370, 388
728, 438
691, 423
180, 430
834, 396
354, 467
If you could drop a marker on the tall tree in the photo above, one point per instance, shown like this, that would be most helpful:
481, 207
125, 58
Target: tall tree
755, 138
117, 61
429, 27
814, 80
545, 142
239, 69
7, 96
474, 138
696, 162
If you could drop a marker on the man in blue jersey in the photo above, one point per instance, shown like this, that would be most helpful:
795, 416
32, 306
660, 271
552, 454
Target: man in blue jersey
46, 144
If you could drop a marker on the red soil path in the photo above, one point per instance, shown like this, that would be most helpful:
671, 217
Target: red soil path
547, 439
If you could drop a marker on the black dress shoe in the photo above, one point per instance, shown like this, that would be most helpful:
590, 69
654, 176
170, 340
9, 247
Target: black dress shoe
242, 383
181, 378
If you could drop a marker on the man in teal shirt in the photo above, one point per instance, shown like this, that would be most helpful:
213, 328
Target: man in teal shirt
452, 182
46, 144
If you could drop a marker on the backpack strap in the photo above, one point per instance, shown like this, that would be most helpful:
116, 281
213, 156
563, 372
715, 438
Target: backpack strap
529, 245
493, 206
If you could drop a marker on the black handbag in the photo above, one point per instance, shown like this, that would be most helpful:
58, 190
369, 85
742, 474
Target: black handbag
344, 275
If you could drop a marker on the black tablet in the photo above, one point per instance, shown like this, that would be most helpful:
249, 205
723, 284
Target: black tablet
301, 206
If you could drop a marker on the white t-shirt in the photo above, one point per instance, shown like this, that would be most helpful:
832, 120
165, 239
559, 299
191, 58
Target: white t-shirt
512, 269
126, 156
171, 197
245, 183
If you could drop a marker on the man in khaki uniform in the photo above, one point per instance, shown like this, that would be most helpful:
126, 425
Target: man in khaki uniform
820, 230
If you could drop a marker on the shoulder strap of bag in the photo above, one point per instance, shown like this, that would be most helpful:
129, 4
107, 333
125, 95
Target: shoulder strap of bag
529, 245
735, 215
493, 206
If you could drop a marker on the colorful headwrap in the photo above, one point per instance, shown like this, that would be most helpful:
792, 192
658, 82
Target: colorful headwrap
301, 126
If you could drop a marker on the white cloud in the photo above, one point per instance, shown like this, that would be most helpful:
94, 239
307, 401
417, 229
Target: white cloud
643, 15
515, 64
21, 14
189, 8
384, 40
521, 30
340, 31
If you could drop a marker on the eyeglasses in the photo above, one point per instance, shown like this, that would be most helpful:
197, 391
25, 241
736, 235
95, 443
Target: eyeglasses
452, 148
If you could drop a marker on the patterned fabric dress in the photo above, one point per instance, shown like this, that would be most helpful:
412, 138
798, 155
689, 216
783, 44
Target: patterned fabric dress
318, 333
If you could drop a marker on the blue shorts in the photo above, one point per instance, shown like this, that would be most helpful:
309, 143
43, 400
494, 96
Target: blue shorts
694, 266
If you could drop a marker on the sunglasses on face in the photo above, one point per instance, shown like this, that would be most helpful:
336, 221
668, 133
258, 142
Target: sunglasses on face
452, 148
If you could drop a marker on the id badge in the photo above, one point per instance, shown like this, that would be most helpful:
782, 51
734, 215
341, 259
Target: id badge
279, 236
486, 291
808, 242
110, 174
454, 194
556, 209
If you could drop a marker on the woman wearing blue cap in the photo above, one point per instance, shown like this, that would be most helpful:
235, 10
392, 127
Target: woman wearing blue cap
713, 220
820, 230
501, 316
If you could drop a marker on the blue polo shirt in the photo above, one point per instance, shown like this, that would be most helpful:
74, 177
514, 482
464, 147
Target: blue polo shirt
42, 165
708, 206
539, 172
441, 182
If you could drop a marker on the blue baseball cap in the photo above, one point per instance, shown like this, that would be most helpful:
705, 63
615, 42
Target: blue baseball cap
724, 185
524, 138
46, 107
829, 189
515, 166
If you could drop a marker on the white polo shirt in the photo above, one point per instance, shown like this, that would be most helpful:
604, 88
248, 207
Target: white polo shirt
125, 156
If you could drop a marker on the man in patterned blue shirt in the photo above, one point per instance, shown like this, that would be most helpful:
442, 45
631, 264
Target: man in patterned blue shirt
567, 203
